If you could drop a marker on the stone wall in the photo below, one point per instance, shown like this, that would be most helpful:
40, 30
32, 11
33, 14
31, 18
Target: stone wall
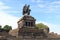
4, 34
36, 38
39, 39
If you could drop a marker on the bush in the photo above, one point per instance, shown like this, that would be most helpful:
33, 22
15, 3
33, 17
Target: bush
7, 27
42, 26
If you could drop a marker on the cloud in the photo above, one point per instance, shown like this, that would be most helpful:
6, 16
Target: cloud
32, 0
41, 6
12, 11
52, 27
6, 18
50, 6
38, 1
1, 3
56, 2
54, 5
3, 6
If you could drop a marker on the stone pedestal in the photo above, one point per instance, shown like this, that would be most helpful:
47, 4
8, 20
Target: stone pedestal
26, 21
27, 28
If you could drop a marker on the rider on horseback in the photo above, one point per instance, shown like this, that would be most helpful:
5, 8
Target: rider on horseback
26, 10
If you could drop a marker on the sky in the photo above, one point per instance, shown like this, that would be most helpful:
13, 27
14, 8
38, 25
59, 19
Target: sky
44, 11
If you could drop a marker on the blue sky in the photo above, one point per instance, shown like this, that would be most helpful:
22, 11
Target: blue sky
44, 11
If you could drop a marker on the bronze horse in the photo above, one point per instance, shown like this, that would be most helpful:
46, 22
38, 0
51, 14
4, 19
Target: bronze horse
26, 10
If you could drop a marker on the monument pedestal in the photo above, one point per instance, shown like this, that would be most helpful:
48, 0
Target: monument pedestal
27, 28
26, 21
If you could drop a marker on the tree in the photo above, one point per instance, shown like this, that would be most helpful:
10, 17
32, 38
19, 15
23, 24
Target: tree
7, 27
42, 26
0, 27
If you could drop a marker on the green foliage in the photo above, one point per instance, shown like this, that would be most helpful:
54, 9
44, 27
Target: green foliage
41, 26
0, 27
7, 27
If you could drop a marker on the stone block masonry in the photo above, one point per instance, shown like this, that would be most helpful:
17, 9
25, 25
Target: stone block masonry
39, 39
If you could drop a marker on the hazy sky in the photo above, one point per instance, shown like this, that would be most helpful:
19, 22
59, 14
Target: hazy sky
44, 11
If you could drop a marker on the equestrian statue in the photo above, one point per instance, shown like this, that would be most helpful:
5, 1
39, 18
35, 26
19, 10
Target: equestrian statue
26, 9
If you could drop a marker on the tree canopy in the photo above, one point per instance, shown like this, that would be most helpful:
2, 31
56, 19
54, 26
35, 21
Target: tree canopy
7, 27
41, 26
0, 27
